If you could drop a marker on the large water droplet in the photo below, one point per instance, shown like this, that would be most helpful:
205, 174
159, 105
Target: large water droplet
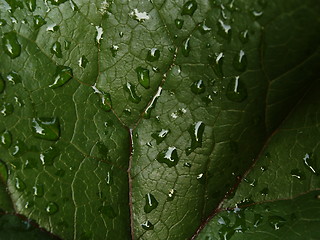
19, 184
14, 78
99, 33
19, 148
31, 4
276, 222
244, 36
52, 208
143, 77
38, 190
161, 135
224, 30
6, 139
83, 61
186, 48
147, 225
178, 23
189, 8
48, 156
46, 128
11, 46
38, 21
2, 84
56, 49
203, 28
151, 203
107, 211
139, 16
131, 89
152, 104
298, 174
240, 61
236, 90
62, 75
6, 109
311, 164
196, 132
153, 55
216, 62
198, 87
3, 172
169, 157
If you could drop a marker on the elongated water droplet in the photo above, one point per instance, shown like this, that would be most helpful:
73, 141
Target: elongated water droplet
131, 89
236, 90
152, 105
38, 190
310, 164
52, 208
178, 23
186, 48
169, 157
6, 139
6, 109
161, 135
2, 84
38, 21
276, 222
56, 49
196, 133
203, 28
189, 8
224, 30
147, 225
198, 87
296, 173
46, 128
48, 156
14, 78
3, 172
107, 211
151, 203
240, 61
67, 44
11, 45
19, 184
153, 55
74, 6
83, 61
216, 62
244, 36
31, 4
114, 50
106, 101
19, 148
143, 77
62, 75
99, 33
257, 220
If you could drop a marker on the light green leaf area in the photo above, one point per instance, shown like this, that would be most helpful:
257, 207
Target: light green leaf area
138, 119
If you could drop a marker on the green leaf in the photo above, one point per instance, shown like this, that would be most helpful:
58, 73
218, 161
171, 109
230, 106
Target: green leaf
148, 120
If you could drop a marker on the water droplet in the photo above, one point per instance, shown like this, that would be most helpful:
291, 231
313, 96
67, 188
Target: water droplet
236, 90
19, 148
257, 220
263, 168
14, 78
3, 22
121, 34
198, 87
83, 61
107, 211
224, 30
2, 84
147, 225
99, 33
153, 55
151, 203
52, 208
276, 222
240, 61
244, 36
48, 156
203, 28
46, 128
178, 23
143, 77
62, 75
3, 172
6, 139
139, 16
186, 48
106, 101
160, 136
196, 132
171, 194
188, 165
11, 46
131, 89
67, 45
19, 184
31, 4
298, 174
6, 109
256, 14
52, 27
38, 190
189, 8
216, 62
152, 104
38, 21
56, 50
310, 164
114, 49
169, 157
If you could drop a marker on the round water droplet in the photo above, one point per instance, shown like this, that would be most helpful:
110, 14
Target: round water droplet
47, 157
31, 4
224, 30
114, 49
160, 135
19, 184
296, 173
151, 203
3, 22
143, 77
311, 164
236, 90
56, 50
196, 133
83, 61
216, 62
131, 89
147, 225
169, 157
189, 8
14, 78
240, 61
203, 28
62, 75
3, 172
38, 190
52, 208
153, 55
2, 84
186, 48
276, 222
244, 36
11, 45
38, 21
46, 128
6, 109
6, 139
178, 23
198, 87
107, 211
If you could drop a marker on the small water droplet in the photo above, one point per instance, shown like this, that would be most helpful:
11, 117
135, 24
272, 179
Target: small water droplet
3, 172
6, 109
19, 184
83, 61
131, 89
38, 190
224, 30
52, 208
178, 23
46, 128
152, 104
236, 90
257, 220
186, 48
216, 62
169, 157
244, 36
67, 45
147, 225
257, 14
201, 178
188, 165
14, 78
48, 156
19, 148
240, 61
114, 50
189, 8
298, 174
107, 211
6, 139
198, 87
52, 28
62, 75
56, 50
106, 101
276, 222
31, 4
310, 164
151, 203
160, 135
171, 194
143, 77
203, 28
153, 55
121, 34
11, 45
3, 22
38, 21
196, 133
